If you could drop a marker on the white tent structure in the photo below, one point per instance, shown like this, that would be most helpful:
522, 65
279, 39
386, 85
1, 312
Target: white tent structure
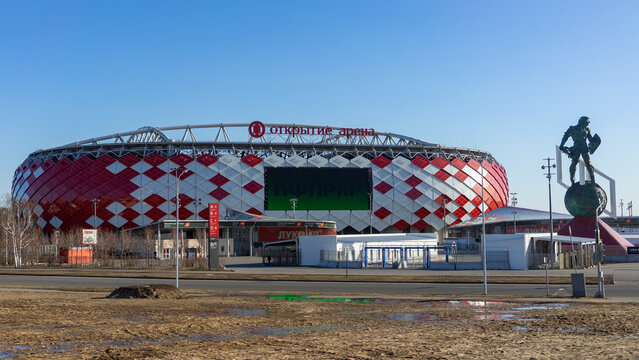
396, 250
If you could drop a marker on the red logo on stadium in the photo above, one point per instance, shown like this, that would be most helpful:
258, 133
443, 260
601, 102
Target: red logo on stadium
257, 129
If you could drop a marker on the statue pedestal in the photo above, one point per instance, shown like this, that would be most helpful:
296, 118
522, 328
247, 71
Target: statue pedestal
583, 200
584, 226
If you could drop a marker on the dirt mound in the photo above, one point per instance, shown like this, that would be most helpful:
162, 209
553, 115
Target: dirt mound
148, 292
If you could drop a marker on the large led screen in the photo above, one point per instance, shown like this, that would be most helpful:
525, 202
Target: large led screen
317, 188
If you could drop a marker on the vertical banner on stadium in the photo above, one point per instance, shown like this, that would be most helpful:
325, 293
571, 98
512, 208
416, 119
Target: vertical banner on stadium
214, 219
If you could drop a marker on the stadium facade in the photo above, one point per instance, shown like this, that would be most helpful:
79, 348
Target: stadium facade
355, 177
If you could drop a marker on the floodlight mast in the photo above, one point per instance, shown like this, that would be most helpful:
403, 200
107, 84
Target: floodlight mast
178, 173
549, 175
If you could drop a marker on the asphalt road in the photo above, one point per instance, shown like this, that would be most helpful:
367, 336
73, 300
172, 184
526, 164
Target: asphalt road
622, 291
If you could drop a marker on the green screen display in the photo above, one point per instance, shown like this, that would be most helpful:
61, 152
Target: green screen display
317, 188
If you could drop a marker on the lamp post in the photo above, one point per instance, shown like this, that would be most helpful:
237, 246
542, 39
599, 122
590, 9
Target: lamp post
95, 211
178, 173
444, 203
549, 176
514, 204
601, 293
483, 227
293, 202
370, 210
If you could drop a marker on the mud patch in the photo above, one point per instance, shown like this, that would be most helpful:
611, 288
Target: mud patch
158, 291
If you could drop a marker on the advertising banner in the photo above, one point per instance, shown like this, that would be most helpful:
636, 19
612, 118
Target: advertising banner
278, 233
214, 219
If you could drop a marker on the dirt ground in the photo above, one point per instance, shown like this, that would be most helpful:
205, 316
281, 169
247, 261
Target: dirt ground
88, 325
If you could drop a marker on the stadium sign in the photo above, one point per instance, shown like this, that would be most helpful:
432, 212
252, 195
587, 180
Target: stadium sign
257, 129
89, 236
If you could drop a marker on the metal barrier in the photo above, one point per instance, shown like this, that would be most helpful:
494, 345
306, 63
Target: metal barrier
390, 252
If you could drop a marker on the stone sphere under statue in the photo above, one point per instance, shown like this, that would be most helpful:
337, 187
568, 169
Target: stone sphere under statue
583, 200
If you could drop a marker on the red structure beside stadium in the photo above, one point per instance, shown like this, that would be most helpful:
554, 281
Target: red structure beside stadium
128, 180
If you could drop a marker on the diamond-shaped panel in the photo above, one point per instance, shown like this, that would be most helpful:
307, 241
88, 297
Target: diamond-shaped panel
253, 187
219, 193
274, 160
382, 213
181, 159
318, 161
154, 200
219, 180
206, 159
420, 225
360, 161
382, 187
155, 159
339, 161
128, 200
413, 181
129, 214
422, 212
251, 160
381, 161
413, 194
440, 162
129, 160
420, 162
401, 225
296, 161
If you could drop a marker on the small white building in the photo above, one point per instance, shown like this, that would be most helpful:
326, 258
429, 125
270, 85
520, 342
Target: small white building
396, 250
529, 251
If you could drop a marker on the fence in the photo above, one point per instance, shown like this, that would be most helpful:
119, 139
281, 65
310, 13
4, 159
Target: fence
408, 257
50, 256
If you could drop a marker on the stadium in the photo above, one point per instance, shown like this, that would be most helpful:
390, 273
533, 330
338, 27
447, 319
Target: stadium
362, 179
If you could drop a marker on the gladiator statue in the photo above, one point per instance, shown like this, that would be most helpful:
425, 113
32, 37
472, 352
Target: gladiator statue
584, 144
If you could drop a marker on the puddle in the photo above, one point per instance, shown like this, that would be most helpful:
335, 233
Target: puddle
521, 328
411, 317
9, 352
543, 307
486, 313
246, 312
386, 301
296, 297
478, 303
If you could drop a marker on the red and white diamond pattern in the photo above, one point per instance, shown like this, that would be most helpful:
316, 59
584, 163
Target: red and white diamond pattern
133, 191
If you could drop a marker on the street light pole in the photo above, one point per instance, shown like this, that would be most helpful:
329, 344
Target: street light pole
293, 204
549, 176
95, 211
444, 202
514, 203
178, 174
370, 210
483, 227
601, 293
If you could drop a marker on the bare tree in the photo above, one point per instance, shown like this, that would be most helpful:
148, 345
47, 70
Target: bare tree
17, 224
149, 244
4, 237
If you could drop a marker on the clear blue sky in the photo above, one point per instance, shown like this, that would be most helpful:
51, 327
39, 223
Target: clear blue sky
507, 77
